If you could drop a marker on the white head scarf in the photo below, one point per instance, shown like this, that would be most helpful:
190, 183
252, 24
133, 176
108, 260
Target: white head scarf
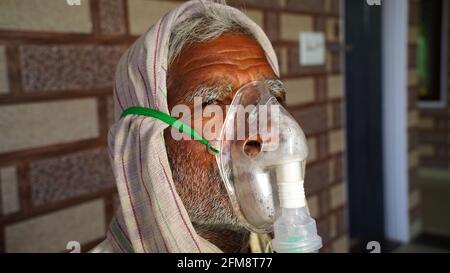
152, 217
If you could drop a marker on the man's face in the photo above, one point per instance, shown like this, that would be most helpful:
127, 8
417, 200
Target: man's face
222, 66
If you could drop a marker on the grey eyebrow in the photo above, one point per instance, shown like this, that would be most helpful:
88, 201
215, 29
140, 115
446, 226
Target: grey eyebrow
215, 92
276, 87
209, 92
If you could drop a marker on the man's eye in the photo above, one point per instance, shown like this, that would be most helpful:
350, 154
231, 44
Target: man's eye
209, 102
280, 99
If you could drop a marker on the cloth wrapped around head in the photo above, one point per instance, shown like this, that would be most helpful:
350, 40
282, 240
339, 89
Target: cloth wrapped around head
152, 217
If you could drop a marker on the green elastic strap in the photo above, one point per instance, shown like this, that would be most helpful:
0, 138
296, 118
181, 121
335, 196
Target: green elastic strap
181, 126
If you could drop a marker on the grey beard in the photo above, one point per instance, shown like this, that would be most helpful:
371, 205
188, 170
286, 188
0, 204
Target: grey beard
203, 194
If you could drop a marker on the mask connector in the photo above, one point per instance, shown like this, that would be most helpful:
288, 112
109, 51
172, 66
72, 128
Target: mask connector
294, 231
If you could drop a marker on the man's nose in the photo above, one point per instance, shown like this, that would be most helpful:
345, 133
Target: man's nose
252, 147
266, 138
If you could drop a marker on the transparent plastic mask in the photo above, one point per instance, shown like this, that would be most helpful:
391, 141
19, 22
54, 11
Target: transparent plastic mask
258, 134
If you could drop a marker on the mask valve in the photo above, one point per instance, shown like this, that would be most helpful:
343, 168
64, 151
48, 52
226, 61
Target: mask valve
294, 231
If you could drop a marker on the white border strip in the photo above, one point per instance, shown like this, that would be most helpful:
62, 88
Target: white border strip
395, 99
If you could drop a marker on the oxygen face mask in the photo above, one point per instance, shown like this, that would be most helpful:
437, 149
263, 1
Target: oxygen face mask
261, 157
262, 160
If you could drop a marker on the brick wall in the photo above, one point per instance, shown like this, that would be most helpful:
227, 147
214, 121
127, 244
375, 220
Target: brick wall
413, 121
434, 135
56, 70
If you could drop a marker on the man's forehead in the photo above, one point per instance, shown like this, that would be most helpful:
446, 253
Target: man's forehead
235, 49
232, 58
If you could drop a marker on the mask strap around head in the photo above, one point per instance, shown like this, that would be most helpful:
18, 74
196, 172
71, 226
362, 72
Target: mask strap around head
181, 126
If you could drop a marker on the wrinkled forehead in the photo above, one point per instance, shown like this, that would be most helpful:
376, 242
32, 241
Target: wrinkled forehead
231, 59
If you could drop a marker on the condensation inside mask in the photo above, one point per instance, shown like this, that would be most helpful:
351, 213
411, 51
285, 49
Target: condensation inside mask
258, 135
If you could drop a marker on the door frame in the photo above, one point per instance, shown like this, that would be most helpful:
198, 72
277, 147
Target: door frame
363, 115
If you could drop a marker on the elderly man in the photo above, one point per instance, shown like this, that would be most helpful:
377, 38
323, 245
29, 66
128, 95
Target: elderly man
172, 198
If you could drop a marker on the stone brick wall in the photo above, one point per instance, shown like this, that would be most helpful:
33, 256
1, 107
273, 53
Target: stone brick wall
56, 70
433, 139
57, 63
413, 121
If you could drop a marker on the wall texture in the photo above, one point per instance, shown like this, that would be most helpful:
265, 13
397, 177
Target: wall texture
435, 131
413, 121
56, 68
434, 161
